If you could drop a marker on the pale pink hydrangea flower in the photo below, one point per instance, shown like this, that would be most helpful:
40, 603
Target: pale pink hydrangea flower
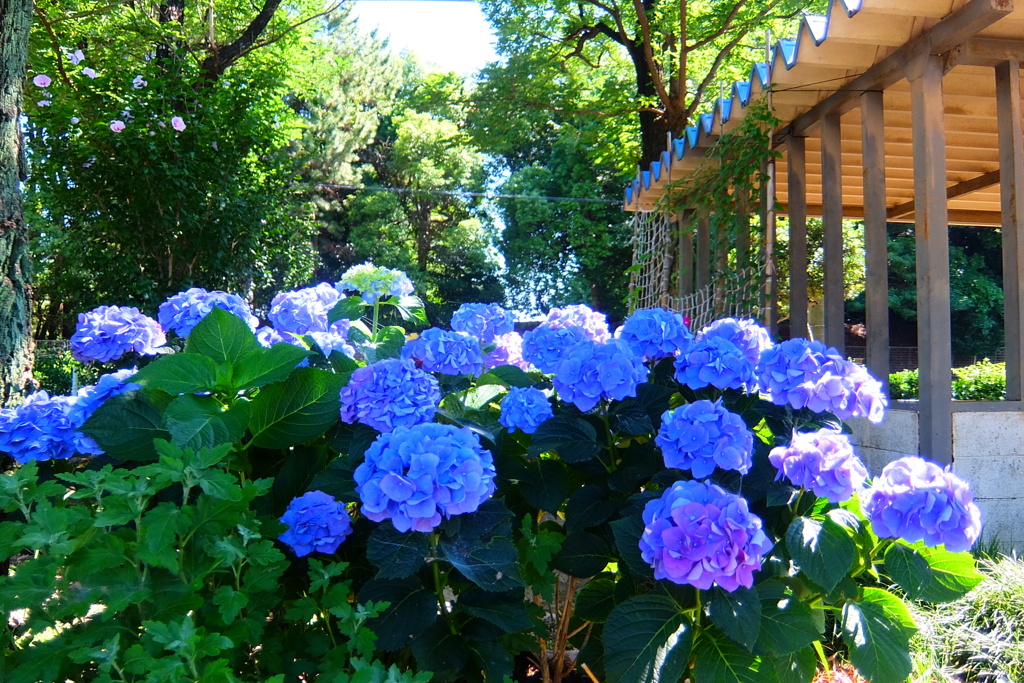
177, 123
42, 81
117, 126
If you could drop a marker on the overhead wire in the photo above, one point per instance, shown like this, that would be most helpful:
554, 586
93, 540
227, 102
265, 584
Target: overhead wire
459, 193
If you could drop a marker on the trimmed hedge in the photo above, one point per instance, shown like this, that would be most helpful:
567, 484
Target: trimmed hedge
983, 381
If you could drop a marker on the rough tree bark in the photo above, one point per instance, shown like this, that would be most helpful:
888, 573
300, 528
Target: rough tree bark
15, 330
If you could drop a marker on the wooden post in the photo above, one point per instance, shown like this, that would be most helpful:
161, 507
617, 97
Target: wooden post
832, 227
703, 252
931, 236
797, 237
876, 260
684, 224
771, 303
1011, 183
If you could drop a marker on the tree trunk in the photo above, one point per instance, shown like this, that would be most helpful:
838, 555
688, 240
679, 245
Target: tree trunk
654, 126
15, 330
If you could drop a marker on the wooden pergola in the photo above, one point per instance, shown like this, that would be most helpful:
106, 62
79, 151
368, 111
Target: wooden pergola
891, 110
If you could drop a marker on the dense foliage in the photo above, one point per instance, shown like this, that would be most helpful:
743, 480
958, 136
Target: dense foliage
645, 519
982, 381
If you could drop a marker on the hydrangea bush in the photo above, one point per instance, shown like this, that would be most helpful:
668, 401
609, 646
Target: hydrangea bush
327, 496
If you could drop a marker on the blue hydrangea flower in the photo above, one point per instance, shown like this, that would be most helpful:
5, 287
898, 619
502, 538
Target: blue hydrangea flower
544, 345
745, 334
590, 371
702, 435
716, 361
305, 310
374, 282
315, 522
822, 462
483, 321
88, 399
330, 342
38, 429
656, 333
806, 374
917, 500
389, 394
417, 476
593, 324
701, 535
183, 311
268, 336
450, 353
508, 351
524, 408
108, 332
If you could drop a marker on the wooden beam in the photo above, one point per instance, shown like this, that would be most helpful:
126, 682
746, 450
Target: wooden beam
931, 235
989, 52
770, 303
876, 258
940, 38
797, 211
1011, 162
991, 219
832, 227
957, 190
703, 252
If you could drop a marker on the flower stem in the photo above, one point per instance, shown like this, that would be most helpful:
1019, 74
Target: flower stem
376, 317
438, 584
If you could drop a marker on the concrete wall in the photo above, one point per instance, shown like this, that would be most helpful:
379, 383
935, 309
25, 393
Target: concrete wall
988, 452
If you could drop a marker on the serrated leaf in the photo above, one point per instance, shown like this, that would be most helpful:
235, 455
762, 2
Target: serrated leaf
596, 600
302, 407
737, 613
126, 425
349, 308
650, 642
179, 373
629, 418
717, 659
506, 375
573, 438
198, 422
908, 569
627, 532
877, 630
822, 550
411, 309
438, 649
582, 555
796, 667
544, 484
395, 554
220, 485
491, 519
588, 507
507, 611
787, 624
492, 566
261, 366
230, 602
954, 573
222, 337
412, 609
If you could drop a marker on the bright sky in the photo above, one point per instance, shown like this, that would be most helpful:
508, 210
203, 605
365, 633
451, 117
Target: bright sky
451, 34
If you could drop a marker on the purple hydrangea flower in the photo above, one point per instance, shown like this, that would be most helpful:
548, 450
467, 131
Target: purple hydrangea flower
450, 353
330, 342
91, 397
38, 429
917, 500
374, 282
700, 534
656, 333
747, 335
716, 361
183, 311
806, 374
108, 332
524, 408
702, 435
315, 522
590, 371
822, 462
416, 476
305, 310
593, 324
268, 336
544, 345
483, 321
509, 351
389, 394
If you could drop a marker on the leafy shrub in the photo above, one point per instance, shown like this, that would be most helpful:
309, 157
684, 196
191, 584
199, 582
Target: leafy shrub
578, 543
983, 381
55, 369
